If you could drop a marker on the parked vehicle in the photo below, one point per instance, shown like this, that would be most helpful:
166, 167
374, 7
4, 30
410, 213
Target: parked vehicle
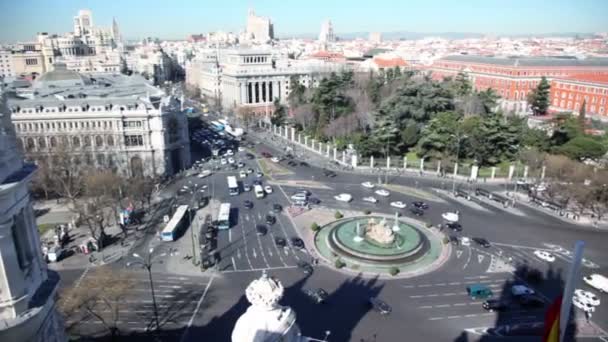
380, 306
479, 291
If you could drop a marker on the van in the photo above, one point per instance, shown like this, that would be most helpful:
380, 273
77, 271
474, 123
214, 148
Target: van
479, 291
597, 281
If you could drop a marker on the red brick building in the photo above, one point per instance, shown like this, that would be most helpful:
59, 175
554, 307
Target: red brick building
568, 94
514, 77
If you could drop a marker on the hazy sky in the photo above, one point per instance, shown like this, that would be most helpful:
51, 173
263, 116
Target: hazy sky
21, 19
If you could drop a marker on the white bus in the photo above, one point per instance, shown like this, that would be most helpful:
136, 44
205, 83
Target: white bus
223, 218
259, 191
233, 186
174, 227
223, 122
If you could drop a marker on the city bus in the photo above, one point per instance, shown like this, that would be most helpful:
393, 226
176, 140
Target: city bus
176, 224
217, 126
233, 186
223, 122
223, 218
259, 191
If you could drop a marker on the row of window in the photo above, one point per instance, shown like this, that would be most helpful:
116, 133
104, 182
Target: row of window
568, 105
582, 88
69, 125
579, 97
31, 61
31, 144
63, 108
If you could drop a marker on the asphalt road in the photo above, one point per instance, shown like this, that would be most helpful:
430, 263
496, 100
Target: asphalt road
429, 307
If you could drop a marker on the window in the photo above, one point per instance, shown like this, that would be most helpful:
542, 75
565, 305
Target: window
19, 231
131, 124
98, 141
110, 141
134, 140
41, 143
31, 61
53, 142
87, 141
76, 141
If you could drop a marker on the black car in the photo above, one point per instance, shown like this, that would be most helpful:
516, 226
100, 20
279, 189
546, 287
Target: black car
297, 242
249, 156
292, 163
248, 204
280, 242
261, 229
420, 205
530, 301
455, 226
270, 219
380, 306
318, 295
495, 305
328, 173
482, 242
417, 211
303, 191
314, 200
305, 267
277, 208
454, 240
305, 164
257, 182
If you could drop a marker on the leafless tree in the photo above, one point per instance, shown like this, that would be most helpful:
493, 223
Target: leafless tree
43, 179
66, 173
304, 116
100, 295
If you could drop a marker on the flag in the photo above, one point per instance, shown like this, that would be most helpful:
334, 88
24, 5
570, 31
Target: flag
551, 330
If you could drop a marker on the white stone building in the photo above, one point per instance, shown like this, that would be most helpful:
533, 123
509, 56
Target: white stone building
151, 61
27, 288
327, 33
105, 120
6, 63
258, 29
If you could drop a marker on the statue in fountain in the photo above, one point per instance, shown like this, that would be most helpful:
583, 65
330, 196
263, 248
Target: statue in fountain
380, 232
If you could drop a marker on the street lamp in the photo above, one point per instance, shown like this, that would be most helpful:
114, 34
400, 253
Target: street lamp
146, 262
192, 190
459, 137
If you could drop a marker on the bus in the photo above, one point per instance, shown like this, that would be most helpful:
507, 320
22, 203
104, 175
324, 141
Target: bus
223, 218
176, 224
233, 186
223, 122
259, 191
217, 126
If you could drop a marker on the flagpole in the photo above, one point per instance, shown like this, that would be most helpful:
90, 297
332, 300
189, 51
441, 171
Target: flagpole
573, 275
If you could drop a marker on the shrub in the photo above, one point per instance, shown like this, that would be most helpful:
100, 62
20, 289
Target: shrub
338, 215
446, 240
393, 271
339, 263
367, 212
315, 227
429, 225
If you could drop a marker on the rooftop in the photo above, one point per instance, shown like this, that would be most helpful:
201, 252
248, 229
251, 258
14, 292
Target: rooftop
524, 61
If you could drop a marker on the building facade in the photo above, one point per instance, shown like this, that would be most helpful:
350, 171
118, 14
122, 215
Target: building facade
27, 288
107, 121
6, 63
327, 33
258, 29
513, 78
568, 94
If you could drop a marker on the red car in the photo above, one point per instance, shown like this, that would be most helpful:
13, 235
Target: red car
266, 155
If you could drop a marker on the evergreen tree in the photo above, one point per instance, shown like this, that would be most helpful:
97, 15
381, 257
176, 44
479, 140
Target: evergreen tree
397, 72
582, 115
278, 116
462, 85
538, 99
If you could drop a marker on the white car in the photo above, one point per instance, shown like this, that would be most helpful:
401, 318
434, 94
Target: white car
383, 193
231, 160
268, 189
581, 304
587, 296
229, 153
367, 185
223, 161
465, 241
344, 197
274, 159
597, 281
204, 174
370, 199
544, 255
521, 290
243, 174
241, 149
398, 204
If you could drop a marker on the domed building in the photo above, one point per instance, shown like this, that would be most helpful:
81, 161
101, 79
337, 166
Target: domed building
61, 77
265, 320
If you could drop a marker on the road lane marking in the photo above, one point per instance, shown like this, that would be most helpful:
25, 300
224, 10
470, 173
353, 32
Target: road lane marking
261, 269
480, 258
269, 251
233, 263
458, 253
198, 306
455, 283
468, 258
229, 235
477, 277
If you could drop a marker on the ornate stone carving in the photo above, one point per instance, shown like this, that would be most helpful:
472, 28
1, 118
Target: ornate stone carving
379, 232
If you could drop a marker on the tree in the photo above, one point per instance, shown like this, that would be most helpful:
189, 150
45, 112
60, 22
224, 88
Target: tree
66, 172
583, 148
43, 180
279, 113
538, 99
462, 85
440, 135
582, 117
245, 116
298, 91
100, 295
488, 99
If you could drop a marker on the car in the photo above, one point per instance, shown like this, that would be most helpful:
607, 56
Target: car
368, 185
266, 155
314, 200
465, 241
249, 170
303, 191
597, 281
530, 301
249, 156
521, 290
280, 242
583, 305
329, 174
268, 189
261, 229
270, 219
297, 243
420, 205
248, 204
229, 153
454, 240
223, 161
369, 199
495, 305
544, 255
259, 174
277, 208
398, 204
243, 174
479, 291
305, 267
318, 295
382, 192
241, 149
257, 182
204, 174
231, 160
240, 165
299, 197
455, 226
246, 187
482, 242
344, 197
305, 164
587, 296
416, 211
292, 163
275, 159
380, 306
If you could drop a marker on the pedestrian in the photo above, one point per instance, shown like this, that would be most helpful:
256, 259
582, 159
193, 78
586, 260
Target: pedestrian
588, 316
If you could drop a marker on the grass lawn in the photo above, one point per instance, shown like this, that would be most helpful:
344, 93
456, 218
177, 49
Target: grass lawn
406, 190
45, 227
272, 169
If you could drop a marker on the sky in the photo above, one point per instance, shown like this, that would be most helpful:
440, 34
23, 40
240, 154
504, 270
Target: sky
166, 19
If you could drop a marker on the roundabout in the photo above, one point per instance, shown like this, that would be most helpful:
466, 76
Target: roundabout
381, 244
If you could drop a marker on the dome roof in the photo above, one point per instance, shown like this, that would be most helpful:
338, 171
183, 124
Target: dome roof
61, 77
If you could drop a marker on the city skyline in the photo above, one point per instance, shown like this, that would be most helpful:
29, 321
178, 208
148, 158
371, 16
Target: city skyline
25, 19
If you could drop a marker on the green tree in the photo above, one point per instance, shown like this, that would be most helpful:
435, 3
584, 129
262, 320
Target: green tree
298, 91
582, 148
397, 72
461, 85
279, 113
439, 136
567, 127
491, 139
488, 99
538, 99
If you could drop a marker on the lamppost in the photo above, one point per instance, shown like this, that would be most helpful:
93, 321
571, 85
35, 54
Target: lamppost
146, 262
459, 139
192, 190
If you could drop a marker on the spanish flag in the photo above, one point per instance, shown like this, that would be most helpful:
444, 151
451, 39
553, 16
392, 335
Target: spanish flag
551, 330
